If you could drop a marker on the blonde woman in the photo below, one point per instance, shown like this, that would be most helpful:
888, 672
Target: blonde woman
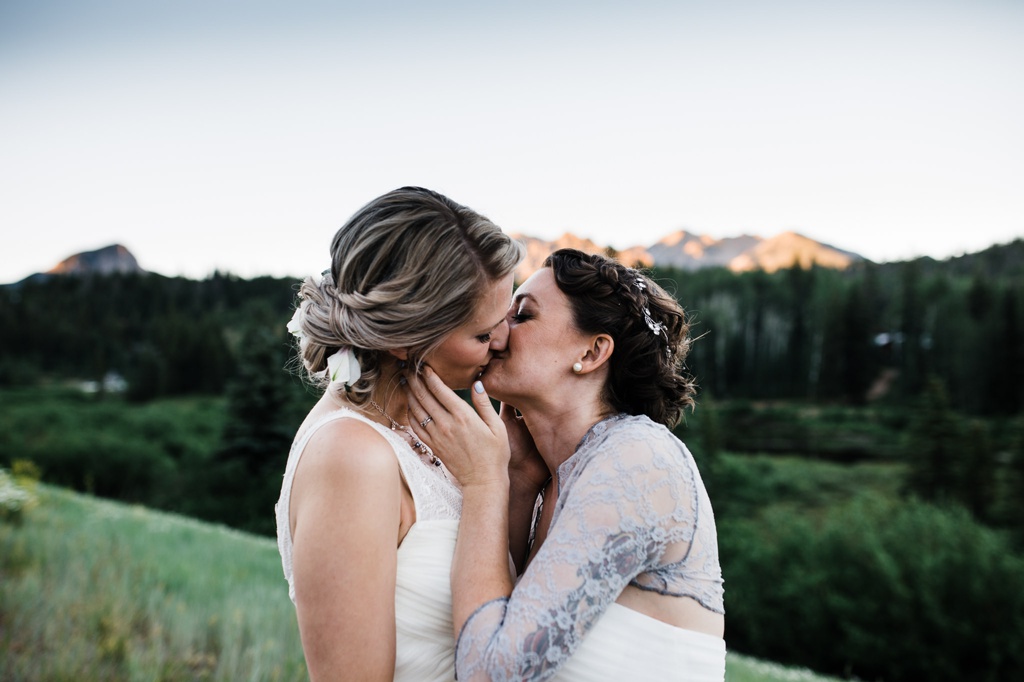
368, 516
622, 579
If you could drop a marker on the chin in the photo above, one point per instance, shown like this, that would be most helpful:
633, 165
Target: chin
499, 396
493, 388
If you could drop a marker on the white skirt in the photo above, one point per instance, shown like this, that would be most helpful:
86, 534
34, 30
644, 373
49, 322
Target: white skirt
628, 645
424, 641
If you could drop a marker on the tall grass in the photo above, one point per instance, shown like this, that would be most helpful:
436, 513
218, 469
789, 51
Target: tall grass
98, 590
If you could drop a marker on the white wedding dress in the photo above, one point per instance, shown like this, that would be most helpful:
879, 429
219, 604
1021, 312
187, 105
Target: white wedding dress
610, 643
627, 645
424, 643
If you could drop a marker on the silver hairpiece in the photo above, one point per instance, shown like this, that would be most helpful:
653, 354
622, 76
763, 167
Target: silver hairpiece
655, 327
641, 284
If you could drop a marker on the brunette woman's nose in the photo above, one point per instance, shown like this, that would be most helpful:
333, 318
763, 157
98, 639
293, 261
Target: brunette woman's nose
499, 337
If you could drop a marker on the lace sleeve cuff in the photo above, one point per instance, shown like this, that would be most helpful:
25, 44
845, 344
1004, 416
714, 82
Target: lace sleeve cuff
485, 620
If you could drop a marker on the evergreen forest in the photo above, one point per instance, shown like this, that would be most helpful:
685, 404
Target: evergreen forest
873, 333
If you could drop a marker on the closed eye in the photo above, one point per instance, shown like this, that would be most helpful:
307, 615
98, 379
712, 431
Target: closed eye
484, 338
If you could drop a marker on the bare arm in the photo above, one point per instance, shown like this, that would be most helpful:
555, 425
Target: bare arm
480, 565
345, 516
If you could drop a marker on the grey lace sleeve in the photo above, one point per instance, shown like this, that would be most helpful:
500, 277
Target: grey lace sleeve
628, 508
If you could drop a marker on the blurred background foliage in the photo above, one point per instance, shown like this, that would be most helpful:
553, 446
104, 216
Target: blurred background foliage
861, 434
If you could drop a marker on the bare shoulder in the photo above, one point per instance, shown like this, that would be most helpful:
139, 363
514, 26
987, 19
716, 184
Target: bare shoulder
347, 454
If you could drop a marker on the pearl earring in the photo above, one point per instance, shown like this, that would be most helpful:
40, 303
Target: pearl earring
577, 367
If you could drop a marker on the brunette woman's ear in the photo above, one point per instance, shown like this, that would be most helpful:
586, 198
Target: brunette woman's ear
400, 353
601, 348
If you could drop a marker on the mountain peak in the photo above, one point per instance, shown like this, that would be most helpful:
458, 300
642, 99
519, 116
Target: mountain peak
104, 261
789, 249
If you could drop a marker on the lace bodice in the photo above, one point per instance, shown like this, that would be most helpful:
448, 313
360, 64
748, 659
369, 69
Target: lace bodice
436, 497
631, 510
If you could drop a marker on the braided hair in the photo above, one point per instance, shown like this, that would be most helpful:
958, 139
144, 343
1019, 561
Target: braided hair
650, 330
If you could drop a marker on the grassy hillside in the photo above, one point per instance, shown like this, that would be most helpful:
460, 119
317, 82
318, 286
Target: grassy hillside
96, 590
92, 589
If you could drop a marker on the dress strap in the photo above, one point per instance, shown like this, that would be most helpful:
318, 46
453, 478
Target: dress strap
433, 495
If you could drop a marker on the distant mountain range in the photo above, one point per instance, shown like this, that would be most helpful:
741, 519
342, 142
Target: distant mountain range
686, 251
681, 250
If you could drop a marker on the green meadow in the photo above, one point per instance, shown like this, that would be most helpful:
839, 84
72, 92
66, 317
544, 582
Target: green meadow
100, 590
97, 590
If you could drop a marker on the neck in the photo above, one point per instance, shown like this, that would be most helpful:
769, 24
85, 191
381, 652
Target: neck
388, 394
557, 432
389, 403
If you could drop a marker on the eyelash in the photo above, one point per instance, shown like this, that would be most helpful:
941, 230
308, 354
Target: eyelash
521, 317
484, 338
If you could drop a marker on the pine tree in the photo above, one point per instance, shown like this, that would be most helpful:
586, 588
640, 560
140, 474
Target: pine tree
800, 285
912, 356
1005, 357
857, 371
933, 447
247, 469
1015, 506
706, 452
980, 297
976, 477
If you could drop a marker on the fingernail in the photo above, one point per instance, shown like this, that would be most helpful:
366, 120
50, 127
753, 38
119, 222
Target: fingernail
478, 386
402, 381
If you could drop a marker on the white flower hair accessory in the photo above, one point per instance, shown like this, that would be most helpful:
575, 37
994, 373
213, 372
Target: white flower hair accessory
295, 325
343, 367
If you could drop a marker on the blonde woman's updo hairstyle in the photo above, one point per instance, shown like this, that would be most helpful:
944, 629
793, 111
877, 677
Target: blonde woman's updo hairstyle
406, 270
647, 374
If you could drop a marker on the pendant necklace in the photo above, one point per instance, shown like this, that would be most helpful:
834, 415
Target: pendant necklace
416, 442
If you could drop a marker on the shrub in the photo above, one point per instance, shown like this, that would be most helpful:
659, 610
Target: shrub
14, 499
877, 589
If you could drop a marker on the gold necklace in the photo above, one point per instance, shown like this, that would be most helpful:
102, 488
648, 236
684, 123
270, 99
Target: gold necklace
416, 442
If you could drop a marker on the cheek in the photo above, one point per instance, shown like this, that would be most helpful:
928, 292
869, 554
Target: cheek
468, 354
529, 343
477, 356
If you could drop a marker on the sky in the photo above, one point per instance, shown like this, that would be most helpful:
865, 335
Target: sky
239, 135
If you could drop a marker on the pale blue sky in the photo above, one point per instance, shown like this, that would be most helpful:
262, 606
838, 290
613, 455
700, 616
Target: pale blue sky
239, 135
